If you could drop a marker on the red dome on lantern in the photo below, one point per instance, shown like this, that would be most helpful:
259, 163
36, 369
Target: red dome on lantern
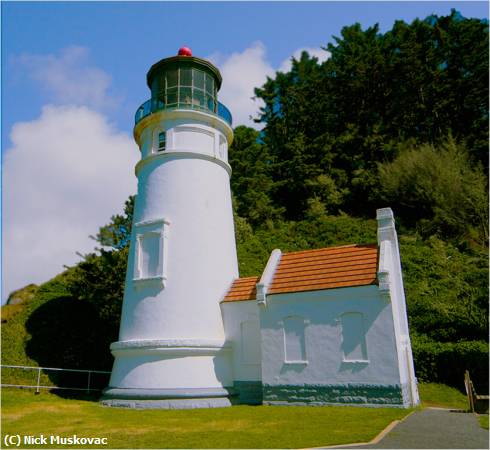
184, 51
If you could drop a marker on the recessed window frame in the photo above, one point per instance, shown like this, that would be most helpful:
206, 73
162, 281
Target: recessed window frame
303, 359
359, 327
156, 143
144, 229
162, 141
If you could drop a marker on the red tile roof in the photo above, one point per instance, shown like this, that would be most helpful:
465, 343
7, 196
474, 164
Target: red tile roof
310, 270
242, 289
326, 268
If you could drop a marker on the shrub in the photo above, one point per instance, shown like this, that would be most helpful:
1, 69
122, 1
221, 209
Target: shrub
438, 191
446, 362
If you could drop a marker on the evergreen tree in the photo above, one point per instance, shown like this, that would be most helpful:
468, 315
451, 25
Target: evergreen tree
418, 82
251, 182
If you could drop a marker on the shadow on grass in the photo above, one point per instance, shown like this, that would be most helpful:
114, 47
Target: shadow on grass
66, 333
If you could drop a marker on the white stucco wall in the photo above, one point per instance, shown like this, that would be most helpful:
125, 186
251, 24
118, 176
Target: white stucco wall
209, 137
324, 356
242, 329
193, 195
171, 333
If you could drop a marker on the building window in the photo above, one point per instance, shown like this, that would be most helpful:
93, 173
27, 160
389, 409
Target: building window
149, 255
353, 337
150, 259
294, 340
162, 136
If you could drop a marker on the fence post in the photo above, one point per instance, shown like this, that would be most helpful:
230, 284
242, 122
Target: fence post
38, 380
88, 383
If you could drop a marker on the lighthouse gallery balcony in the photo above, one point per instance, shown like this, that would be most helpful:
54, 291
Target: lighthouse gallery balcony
154, 105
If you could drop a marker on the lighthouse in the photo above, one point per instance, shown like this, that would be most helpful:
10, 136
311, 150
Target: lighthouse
171, 351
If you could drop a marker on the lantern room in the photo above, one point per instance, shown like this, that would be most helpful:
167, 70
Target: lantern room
184, 82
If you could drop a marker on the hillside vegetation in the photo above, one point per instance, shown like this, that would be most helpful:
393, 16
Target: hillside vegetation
395, 119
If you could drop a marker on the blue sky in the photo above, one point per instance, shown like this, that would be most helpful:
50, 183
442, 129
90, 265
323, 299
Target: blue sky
74, 74
125, 38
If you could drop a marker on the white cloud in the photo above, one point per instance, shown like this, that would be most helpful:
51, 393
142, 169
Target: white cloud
319, 53
69, 78
67, 172
242, 72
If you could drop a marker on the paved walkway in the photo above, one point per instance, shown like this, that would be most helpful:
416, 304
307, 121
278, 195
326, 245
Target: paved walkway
435, 428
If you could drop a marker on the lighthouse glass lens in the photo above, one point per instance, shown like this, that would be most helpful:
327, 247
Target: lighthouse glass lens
185, 85
171, 96
172, 78
199, 79
209, 84
210, 103
186, 77
199, 98
185, 95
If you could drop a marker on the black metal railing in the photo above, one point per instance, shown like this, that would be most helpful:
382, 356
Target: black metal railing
153, 105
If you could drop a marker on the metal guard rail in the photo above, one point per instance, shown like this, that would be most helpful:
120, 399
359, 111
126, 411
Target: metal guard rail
150, 107
42, 369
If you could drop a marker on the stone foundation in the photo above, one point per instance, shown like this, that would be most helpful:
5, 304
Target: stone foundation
345, 394
248, 392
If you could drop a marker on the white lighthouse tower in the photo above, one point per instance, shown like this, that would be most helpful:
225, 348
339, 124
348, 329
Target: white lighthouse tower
171, 351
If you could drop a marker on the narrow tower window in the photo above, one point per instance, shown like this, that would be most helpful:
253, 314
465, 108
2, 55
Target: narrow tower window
161, 141
149, 255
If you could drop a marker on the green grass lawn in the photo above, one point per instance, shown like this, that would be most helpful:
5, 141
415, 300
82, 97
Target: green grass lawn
483, 419
24, 413
440, 395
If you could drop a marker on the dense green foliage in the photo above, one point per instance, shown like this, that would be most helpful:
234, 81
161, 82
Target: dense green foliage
99, 279
437, 191
446, 289
328, 126
116, 234
442, 361
52, 329
254, 246
397, 119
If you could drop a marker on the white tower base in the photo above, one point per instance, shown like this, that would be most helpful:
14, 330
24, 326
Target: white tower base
162, 374
167, 399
